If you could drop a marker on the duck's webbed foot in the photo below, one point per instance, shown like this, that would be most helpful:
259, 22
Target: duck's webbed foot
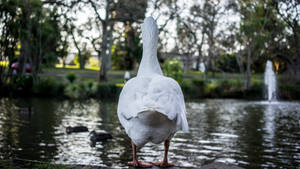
163, 164
135, 162
140, 164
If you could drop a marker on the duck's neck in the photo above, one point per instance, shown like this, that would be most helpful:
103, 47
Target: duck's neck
149, 65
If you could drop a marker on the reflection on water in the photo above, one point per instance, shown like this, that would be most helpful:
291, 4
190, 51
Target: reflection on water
248, 134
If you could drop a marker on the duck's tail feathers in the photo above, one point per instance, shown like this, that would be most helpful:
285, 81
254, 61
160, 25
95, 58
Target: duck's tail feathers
184, 123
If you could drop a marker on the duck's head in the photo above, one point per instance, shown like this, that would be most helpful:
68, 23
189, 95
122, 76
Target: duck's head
149, 31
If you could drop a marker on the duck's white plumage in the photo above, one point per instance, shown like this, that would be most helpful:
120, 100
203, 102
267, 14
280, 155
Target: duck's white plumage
151, 106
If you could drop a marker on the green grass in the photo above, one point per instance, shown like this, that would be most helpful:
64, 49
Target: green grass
67, 70
116, 76
113, 76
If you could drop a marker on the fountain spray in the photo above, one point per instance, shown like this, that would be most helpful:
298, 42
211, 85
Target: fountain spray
270, 82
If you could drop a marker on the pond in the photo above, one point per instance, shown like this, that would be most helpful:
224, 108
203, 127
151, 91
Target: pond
249, 134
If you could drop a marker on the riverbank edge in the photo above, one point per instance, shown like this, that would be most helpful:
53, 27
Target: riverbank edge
194, 90
28, 164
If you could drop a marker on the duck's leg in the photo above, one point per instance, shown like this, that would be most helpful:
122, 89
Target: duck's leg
164, 162
135, 161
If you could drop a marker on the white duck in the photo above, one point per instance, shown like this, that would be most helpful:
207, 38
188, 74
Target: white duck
151, 106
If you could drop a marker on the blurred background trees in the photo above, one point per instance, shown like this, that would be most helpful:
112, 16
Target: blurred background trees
30, 34
228, 36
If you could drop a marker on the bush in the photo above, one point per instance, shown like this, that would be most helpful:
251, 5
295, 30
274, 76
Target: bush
188, 89
210, 90
173, 68
72, 91
48, 87
107, 90
71, 77
199, 85
92, 89
288, 91
87, 89
231, 88
255, 92
22, 84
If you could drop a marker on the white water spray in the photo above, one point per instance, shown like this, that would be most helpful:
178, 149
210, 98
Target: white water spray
270, 82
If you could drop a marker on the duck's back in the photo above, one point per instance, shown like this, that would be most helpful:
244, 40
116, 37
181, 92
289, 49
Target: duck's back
152, 94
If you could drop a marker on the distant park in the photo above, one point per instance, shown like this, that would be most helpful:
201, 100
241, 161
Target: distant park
63, 65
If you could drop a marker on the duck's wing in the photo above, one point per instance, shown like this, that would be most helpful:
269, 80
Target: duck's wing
132, 96
156, 93
167, 95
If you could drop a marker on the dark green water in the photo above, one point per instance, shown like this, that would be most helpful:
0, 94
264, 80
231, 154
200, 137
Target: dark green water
245, 133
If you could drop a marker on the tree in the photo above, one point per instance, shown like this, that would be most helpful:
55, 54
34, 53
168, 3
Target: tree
85, 54
166, 13
8, 38
76, 43
185, 42
127, 50
212, 12
289, 12
35, 28
255, 16
115, 11
196, 18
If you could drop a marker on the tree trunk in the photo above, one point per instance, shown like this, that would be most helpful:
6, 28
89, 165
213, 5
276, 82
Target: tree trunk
64, 62
197, 62
106, 49
81, 61
102, 74
211, 54
199, 58
25, 50
240, 63
248, 74
296, 59
110, 41
23, 56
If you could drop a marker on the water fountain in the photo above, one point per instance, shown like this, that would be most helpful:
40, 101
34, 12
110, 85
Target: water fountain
270, 82
202, 67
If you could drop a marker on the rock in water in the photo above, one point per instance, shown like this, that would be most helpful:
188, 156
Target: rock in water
99, 136
76, 129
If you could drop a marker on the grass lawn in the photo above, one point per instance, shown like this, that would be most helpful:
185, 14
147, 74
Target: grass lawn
116, 76
113, 76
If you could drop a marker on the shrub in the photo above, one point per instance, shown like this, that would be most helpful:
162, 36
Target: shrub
225, 85
231, 88
173, 68
188, 89
87, 89
255, 92
71, 77
48, 87
22, 84
107, 90
210, 90
91, 89
72, 91
288, 91
199, 86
